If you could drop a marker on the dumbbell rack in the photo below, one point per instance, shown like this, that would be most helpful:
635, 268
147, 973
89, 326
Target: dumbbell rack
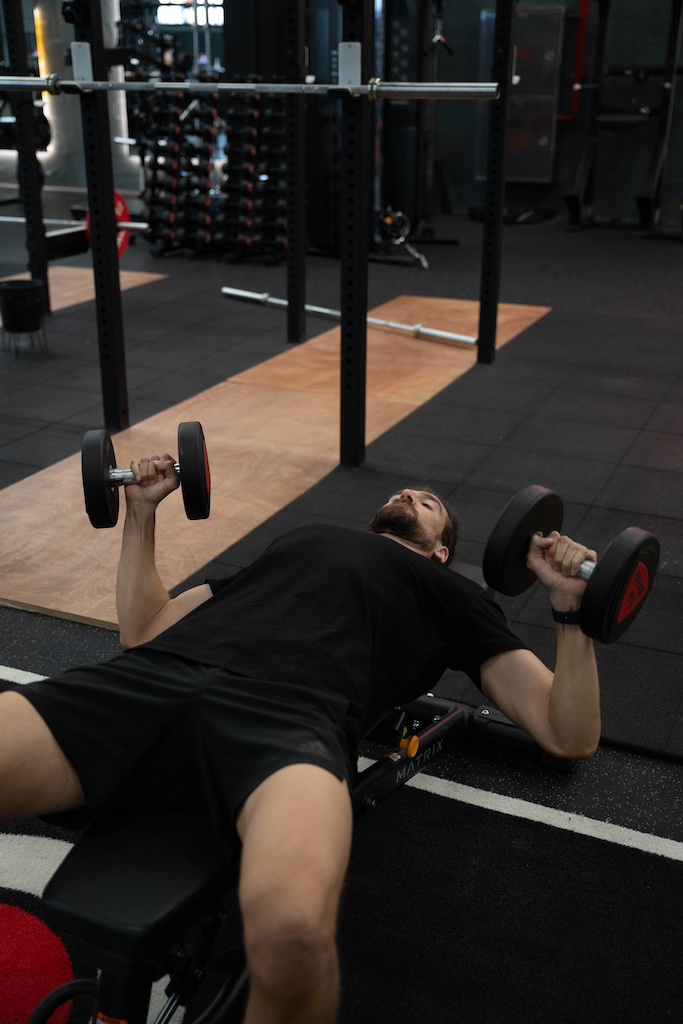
253, 192
178, 184
244, 216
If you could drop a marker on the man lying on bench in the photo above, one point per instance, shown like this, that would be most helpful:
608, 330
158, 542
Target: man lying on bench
248, 697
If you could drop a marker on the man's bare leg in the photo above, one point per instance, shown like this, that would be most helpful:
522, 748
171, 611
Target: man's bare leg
296, 834
35, 776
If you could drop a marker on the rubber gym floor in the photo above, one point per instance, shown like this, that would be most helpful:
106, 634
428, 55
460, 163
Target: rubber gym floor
495, 889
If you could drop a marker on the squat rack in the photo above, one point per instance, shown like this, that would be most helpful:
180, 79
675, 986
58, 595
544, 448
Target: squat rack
355, 91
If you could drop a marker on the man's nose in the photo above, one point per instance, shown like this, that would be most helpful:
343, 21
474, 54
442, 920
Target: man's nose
407, 495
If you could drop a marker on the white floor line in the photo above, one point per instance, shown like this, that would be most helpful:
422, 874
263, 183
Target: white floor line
28, 863
17, 675
592, 827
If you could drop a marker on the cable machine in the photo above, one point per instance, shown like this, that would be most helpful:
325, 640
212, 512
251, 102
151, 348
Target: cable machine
580, 200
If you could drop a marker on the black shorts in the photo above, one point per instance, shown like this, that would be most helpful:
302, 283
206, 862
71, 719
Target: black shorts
151, 728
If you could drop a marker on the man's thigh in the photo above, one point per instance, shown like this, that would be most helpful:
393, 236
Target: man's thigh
35, 775
296, 830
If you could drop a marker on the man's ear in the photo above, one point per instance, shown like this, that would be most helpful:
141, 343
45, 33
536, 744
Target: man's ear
440, 555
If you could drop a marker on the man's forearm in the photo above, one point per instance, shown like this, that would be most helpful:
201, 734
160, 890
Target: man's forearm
574, 706
140, 594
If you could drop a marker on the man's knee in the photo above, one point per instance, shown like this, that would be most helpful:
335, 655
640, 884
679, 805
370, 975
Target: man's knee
290, 946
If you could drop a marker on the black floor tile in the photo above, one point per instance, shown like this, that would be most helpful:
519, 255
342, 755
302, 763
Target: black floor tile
45, 646
445, 419
657, 451
648, 491
13, 428
667, 418
595, 344
509, 470
518, 368
86, 377
556, 436
675, 393
422, 459
493, 392
44, 447
640, 699
675, 741
178, 385
626, 384
596, 408
164, 355
55, 403
14, 472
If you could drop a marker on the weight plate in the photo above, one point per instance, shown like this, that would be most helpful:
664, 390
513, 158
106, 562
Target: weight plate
619, 585
101, 499
122, 217
534, 509
195, 478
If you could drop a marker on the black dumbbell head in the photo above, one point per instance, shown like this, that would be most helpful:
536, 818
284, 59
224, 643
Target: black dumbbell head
535, 509
101, 498
195, 478
619, 584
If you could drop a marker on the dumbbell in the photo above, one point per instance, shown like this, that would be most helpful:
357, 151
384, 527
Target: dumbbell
101, 478
616, 585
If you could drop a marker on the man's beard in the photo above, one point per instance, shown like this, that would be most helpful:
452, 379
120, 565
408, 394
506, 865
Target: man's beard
400, 519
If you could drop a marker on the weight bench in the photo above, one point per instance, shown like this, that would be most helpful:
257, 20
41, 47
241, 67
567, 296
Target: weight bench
125, 895
136, 881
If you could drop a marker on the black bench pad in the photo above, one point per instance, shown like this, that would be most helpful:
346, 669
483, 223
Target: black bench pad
134, 881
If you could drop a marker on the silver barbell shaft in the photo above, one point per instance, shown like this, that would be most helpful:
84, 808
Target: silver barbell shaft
126, 476
122, 225
374, 90
417, 330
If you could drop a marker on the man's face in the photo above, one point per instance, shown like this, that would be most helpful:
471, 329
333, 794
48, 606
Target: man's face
415, 516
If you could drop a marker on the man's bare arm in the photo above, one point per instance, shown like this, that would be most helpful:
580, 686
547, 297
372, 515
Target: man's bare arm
144, 607
560, 709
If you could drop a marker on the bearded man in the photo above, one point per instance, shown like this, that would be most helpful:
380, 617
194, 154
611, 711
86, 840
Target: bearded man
249, 696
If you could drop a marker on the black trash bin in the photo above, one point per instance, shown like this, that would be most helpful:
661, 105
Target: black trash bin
22, 310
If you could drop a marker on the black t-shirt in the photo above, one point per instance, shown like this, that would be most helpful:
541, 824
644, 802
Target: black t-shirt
355, 615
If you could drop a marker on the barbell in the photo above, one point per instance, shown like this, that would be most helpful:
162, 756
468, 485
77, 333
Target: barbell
375, 89
101, 478
617, 585
416, 330
70, 238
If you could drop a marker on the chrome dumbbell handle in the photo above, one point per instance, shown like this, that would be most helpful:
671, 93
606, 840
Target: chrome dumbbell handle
586, 570
126, 476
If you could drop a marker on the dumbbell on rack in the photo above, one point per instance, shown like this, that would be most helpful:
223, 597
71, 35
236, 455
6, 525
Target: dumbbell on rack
101, 478
616, 585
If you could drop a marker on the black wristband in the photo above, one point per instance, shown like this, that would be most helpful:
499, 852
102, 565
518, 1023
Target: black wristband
567, 618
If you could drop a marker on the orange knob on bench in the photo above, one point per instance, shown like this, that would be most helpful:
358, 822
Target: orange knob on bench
411, 744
